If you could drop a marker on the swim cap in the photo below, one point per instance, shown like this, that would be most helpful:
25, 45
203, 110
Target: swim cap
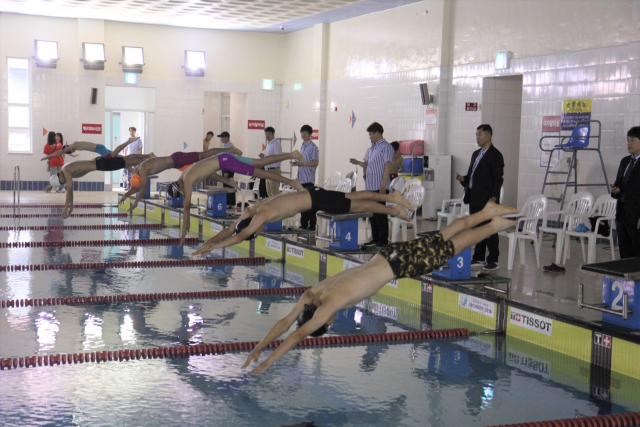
174, 190
306, 315
135, 181
54, 181
241, 225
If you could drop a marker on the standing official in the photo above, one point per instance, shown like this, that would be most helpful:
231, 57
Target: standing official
307, 172
273, 149
378, 169
482, 183
224, 140
626, 190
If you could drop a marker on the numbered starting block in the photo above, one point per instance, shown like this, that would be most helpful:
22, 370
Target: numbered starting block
343, 230
217, 200
621, 279
457, 268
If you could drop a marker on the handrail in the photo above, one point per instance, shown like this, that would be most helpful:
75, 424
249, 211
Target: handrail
562, 138
16, 183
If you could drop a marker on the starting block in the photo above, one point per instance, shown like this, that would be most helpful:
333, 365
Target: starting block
273, 226
176, 203
217, 200
343, 230
457, 268
621, 279
147, 193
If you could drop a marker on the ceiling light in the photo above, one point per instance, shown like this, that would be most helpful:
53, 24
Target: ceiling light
93, 56
46, 53
132, 59
194, 63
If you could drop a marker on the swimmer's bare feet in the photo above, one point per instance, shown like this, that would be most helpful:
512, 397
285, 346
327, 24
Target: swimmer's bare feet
297, 156
296, 184
492, 209
502, 224
397, 198
401, 213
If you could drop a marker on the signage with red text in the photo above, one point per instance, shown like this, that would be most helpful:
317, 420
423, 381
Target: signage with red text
89, 128
470, 106
551, 123
256, 124
314, 134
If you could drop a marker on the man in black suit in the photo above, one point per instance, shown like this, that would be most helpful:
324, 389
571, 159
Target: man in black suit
482, 183
626, 190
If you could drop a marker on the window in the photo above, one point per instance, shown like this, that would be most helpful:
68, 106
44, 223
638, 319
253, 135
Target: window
19, 105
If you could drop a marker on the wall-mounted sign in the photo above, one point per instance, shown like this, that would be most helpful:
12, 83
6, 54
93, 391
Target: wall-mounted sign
471, 106
550, 127
575, 111
432, 117
256, 124
89, 128
551, 123
314, 134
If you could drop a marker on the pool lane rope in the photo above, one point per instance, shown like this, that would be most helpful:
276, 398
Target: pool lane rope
116, 299
179, 351
613, 420
121, 242
135, 264
89, 215
57, 205
80, 227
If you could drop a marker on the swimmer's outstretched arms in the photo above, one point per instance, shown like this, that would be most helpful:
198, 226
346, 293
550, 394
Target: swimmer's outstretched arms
283, 206
318, 306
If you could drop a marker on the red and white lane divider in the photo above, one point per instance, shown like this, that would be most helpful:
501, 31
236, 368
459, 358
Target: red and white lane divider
56, 205
115, 299
614, 420
135, 264
81, 227
121, 242
205, 349
89, 215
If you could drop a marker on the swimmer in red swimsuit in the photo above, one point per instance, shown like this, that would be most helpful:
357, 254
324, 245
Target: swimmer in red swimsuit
283, 206
230, 163
177, 160
318, 306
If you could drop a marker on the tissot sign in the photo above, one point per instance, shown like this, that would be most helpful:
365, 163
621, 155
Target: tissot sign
89, 128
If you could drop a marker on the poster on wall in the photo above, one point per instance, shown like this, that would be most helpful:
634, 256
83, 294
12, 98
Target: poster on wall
432, 117
574, 111
550, 127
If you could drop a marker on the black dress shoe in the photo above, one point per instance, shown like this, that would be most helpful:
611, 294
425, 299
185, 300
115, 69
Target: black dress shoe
370, 244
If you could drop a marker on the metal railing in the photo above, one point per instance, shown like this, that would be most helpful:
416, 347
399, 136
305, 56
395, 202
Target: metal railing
16, 183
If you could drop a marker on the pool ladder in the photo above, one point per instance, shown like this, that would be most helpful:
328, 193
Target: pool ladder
16, 183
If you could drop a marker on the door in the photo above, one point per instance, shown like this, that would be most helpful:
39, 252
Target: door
111, 141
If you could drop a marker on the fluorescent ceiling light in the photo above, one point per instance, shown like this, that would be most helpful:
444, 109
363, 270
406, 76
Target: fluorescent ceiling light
93, 52
132, 55
46, 50
194, 60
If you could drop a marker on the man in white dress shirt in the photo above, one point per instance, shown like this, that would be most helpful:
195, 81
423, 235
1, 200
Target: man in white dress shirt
273, 148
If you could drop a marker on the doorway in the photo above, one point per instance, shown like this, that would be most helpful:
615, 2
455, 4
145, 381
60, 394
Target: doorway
502, 109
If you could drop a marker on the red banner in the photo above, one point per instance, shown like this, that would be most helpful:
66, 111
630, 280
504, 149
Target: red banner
471, 106
551, 123
314, 134
89, 128
256, 124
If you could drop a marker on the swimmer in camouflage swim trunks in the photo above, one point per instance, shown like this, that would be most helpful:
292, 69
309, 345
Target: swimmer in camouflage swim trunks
318, 306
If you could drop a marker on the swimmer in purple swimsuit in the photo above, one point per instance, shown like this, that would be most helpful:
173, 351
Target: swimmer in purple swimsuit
230, 163
177, 160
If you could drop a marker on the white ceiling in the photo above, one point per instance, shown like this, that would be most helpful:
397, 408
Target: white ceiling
265, 15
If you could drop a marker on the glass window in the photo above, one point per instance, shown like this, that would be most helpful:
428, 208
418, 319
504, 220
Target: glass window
19, 105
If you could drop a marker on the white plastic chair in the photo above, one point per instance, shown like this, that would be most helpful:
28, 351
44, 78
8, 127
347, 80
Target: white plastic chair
533, 210
353, 176
244, 190
333, 181
580, 203
604, 207
415, 196
411, 183
450, 210
397, 184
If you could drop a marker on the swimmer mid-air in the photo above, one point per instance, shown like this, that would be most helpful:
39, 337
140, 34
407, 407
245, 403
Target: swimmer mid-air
283, 206
177, 160
95, 148
228, 162
80, 168
318, 306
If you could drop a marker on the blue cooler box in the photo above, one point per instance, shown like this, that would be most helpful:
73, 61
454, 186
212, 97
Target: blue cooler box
416, 167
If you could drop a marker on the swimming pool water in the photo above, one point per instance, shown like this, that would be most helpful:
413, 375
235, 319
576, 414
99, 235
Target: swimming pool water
482, 380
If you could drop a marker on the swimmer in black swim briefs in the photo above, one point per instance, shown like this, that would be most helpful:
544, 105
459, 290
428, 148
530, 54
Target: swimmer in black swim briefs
318, 306
283, 206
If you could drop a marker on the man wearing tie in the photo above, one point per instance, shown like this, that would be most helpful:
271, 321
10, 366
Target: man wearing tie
626, 190
482, 183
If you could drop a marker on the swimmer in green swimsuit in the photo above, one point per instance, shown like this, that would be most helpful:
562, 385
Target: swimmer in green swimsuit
318, 306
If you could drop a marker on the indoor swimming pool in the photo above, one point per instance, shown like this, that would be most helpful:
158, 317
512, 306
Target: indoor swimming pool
482, 380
